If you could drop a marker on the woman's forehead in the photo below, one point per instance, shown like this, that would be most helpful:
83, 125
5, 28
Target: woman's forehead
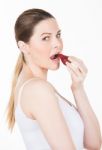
47, 26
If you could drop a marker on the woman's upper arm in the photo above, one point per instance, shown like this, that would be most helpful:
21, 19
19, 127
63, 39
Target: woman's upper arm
43, 104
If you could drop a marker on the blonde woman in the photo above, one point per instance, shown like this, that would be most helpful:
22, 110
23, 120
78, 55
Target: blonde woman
47, 121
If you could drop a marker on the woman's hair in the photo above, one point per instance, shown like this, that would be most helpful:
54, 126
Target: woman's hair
24, 29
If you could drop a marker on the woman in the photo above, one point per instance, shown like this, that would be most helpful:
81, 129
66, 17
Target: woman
46, 120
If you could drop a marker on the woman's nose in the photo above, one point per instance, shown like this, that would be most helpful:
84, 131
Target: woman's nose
57, 44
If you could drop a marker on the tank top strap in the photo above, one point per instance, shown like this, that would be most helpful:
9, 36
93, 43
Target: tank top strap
21, 89
66, 100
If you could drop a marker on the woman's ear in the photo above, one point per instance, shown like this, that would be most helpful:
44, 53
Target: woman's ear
23, 47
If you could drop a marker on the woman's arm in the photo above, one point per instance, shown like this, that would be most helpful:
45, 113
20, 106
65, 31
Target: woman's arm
92, 135
39, 100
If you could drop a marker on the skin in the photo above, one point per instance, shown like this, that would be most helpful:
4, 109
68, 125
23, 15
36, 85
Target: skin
45, 41
37, 53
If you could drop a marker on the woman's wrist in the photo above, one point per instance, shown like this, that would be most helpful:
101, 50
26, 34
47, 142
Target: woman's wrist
76, 87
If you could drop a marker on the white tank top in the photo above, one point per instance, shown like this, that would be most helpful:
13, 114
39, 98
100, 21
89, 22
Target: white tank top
33, 136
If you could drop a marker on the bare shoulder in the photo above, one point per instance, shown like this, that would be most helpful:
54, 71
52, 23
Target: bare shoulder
40, 101
35, 92
37, 85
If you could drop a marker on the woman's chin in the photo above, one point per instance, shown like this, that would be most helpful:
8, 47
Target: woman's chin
55, 64
55, 67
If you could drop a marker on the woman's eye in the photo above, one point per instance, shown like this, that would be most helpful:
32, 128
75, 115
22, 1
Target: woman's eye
46, 38
59, 35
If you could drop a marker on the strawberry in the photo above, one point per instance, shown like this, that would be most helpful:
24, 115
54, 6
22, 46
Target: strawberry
64, 58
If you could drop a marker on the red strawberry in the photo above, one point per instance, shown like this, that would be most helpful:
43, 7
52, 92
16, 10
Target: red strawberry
64, 58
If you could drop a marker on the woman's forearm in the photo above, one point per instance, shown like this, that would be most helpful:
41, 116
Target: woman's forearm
92, 136
78, 72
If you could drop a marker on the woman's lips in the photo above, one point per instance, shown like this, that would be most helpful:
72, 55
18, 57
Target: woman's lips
64, 58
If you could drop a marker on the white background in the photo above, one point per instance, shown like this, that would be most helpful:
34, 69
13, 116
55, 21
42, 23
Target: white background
81, 24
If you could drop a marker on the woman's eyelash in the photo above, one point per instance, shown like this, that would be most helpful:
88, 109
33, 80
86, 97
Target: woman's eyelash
46, 38
59, 35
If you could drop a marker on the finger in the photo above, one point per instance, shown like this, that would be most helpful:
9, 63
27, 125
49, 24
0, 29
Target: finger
73, 58
74, 68
75, 77
84, 68
78, 63
77, 60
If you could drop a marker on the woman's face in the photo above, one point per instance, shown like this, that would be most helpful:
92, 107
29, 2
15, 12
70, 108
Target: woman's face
45, 42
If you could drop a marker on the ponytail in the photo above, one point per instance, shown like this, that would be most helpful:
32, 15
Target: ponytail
10, 108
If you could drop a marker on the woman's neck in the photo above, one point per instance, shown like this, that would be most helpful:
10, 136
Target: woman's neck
28, 72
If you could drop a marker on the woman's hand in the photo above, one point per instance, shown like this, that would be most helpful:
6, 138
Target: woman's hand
91, 125
77, 70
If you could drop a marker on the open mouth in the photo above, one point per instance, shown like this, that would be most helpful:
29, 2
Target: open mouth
54, 56
63, 58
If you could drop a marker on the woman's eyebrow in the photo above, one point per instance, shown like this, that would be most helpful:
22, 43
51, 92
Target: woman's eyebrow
59, 31
50, 33
45, 33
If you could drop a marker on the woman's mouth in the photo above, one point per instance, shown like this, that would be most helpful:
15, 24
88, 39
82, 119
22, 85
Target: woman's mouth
55, 58
63, 58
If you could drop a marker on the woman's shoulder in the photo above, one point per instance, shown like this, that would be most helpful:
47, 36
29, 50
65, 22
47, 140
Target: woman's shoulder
36, 92
37, 85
